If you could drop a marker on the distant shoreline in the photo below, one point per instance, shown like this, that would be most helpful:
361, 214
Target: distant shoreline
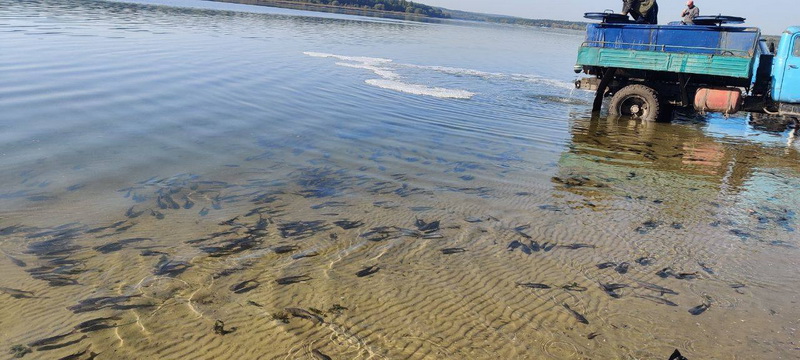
338, 9
455, 14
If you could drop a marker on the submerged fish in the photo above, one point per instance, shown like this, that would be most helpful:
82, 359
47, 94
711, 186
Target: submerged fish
581, 319
578, 246
319, 355
245, 286
622, 268
656, 288
285, 249
305, 314
16, 293
450, 251
606, 265
518, 245
367, 271
534, 285
657, 300
292, 279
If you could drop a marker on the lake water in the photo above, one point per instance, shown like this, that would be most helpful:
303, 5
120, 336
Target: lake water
190, 179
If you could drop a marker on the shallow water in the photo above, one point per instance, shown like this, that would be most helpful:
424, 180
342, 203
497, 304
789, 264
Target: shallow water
435, 190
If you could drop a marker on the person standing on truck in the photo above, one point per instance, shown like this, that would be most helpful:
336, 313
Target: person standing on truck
642, 11
690, 13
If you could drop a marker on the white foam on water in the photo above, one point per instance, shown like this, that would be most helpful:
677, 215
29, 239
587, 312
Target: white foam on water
389, 79
358, 59
417, 89
382, 72
457, 71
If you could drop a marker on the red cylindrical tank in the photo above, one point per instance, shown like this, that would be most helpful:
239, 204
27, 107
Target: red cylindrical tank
726, 101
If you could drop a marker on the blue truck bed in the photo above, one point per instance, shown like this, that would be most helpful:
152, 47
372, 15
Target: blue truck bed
705, 50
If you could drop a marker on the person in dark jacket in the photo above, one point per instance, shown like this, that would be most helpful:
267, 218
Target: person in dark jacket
690, 13
642, 11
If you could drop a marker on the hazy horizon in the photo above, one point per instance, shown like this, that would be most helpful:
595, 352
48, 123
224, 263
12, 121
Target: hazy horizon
772, 24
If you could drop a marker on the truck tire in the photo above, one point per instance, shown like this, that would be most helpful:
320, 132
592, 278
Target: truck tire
638, 102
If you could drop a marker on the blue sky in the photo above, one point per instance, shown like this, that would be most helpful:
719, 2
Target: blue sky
772, 16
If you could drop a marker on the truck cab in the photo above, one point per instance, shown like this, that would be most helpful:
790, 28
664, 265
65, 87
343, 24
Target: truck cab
786, 68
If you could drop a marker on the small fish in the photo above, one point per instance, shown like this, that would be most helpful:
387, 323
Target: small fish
665, 273
645, 261
518, 245
285, 249
534, 285
16, 293
622, 268
581, 319
611, 289
16, 261
687, 276
157, 214
305, 314
367, 271
251, 302
659, 289
606, 265
97, 324
427, 227
188, 203
219, 328
204, 211
706, 268
699, 309
292, 279
76, 356
319, 355
593, 335
305, 255
677, 356
657, 300
50, 340
244, 286
450, 251
133, 214
62, 345
574, 287
578, 246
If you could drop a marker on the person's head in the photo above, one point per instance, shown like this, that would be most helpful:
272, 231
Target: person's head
690, 3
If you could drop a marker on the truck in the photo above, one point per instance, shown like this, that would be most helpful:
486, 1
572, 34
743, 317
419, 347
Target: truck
711, 66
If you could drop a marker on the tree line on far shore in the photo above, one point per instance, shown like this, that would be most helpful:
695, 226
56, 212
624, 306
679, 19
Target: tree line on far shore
401, 6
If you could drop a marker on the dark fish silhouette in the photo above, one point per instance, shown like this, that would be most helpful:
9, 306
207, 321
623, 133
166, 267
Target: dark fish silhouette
347, 225
645, 261
657, 300
285, 249
305, 314
427, 227
606, 265
219, 328
533, 285
574, 287
593, 335
305, 255
367, 271
292, 279
319, 355
16, 293
450, 251
699, 309
245, 286
659, 289
611, 289
677, 356
518, 245
581, 319
97, 324
706, 268
622, 268
578, 246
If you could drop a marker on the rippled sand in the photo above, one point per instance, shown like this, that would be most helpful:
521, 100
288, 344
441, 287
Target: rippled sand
151, 278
